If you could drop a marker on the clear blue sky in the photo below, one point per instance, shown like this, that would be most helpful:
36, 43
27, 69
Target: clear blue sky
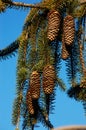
67, 111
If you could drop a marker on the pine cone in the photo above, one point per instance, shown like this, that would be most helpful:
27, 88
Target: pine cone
69, 29
48, 79
29, 103
35, 85
53, 24
65, 52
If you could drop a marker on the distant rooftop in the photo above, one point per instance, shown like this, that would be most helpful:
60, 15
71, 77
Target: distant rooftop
74, 127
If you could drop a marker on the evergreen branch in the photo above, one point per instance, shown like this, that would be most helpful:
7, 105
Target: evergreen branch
82, 62
42, 118
9, 50
57, 47
24, 110
21, 68
16, 110
49, 101
73, 92
27, 122
77, 92
21, 4
38, 115
72, 63
61, 84
47, 122
21, 75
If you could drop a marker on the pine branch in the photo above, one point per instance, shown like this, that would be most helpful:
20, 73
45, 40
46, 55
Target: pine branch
47, 103
72, 63
73, 92
57, 46
21, 4
21, 67
49, 99
39, 115
16, 110
77, 92
42, 118
27, 122
61, 84
9, 50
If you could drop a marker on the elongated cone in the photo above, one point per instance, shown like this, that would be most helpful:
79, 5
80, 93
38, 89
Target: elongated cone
69, 29
53, 24
29, 103
48, 79
35, 85
65, 53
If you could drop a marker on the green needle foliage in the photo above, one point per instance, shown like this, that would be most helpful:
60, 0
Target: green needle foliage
36, 50
10, 50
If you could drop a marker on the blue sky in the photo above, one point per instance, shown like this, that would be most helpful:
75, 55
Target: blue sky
67, 111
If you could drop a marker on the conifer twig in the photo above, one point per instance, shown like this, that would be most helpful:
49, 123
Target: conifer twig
21, 4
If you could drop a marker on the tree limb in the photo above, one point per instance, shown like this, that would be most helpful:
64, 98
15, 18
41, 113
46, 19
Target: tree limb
21, 4
9, 50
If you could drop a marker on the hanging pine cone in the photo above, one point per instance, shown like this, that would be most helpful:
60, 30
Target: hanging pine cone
65, 52
35, 85
53, 24
48, 79
69, 29
29, 103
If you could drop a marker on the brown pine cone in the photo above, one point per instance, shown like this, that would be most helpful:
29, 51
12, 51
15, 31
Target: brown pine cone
69, 29
29, 103
35, 85
53, 24
48, 79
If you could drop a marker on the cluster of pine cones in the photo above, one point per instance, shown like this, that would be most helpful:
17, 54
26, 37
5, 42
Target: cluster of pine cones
48, 83
54, 20
48, 75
